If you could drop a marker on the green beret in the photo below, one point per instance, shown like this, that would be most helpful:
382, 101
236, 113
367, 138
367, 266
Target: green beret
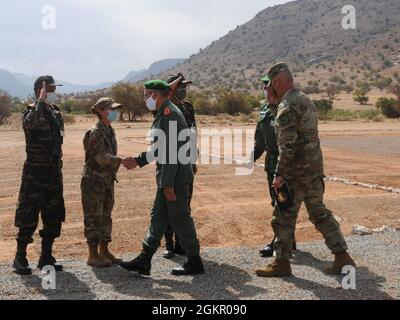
265, 79
156, 85
277, 69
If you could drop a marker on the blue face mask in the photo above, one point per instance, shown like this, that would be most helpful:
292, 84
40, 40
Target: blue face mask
113, 115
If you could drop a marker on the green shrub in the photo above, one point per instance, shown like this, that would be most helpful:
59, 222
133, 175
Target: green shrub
389, 107
323, 106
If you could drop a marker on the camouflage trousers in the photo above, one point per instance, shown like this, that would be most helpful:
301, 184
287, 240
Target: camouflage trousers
311, 192
44, 196
98, 203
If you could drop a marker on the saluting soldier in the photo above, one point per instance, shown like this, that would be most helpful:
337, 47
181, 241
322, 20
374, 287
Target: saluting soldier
173, 178
42, 181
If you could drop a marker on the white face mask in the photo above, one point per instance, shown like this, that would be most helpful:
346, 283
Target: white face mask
51, 97
266, 94
151, 104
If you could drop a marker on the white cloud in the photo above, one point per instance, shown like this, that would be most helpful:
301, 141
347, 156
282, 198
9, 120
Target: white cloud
101, 40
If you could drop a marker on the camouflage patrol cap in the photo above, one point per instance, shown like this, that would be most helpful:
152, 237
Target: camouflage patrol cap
106, 102
277, 69
183, 83
49, 82
156, 85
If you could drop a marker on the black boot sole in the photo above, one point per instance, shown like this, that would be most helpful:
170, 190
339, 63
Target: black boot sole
180, 273
141, 272
57, 267
23, 272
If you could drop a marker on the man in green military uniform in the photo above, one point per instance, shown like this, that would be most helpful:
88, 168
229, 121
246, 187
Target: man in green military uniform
186, 107
173, 178
97, 184
265, 141
42, 181
300, 165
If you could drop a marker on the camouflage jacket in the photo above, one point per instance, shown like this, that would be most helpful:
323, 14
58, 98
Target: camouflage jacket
187, 109
101, 161
171, 172
265, 139
44, 133
300, 152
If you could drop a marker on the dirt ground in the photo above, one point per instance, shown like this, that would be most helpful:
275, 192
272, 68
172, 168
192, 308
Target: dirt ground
229, 210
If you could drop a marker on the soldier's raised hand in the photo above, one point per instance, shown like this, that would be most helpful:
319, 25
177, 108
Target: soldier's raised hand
43, 92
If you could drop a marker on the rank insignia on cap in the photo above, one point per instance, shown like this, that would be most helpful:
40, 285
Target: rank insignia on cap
167, 111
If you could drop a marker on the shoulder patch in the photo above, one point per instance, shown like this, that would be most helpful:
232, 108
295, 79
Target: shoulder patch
167, 112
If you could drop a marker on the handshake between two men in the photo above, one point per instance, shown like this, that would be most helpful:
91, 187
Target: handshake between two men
129, 163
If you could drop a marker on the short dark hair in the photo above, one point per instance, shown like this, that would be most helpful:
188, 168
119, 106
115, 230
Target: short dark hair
164, 93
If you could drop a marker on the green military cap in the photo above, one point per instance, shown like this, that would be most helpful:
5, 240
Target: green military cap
277, 69
106, 102
156, 85
265, 79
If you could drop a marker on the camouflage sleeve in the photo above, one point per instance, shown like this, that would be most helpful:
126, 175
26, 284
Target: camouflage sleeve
286, 127
259, 145
97, 149
36, 122
34, 118
191, 114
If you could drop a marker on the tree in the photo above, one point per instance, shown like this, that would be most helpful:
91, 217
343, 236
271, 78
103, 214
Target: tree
332, 91
5, 105
360, 96
131, 97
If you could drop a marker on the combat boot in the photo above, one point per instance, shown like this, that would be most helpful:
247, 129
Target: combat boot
268, 251
178, 247
46, 257
280, 268
105, 253
169, 246
193, 266
96, 260
342, 259
141, 264
21, 264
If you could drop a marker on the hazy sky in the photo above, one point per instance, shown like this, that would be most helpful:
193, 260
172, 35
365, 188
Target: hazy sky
102, 40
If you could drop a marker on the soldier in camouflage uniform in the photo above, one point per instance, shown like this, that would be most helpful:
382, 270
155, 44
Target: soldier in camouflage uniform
97, 184
42, 181
265, 141
187, 109
300, 164
173, 179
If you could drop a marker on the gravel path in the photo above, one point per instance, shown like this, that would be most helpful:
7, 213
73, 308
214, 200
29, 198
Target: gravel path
229, 276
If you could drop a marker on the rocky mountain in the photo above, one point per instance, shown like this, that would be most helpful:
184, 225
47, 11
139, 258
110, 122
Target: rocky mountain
309, 35
155, 69
21, 85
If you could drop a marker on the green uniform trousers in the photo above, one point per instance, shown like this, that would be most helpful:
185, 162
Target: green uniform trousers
176, 214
